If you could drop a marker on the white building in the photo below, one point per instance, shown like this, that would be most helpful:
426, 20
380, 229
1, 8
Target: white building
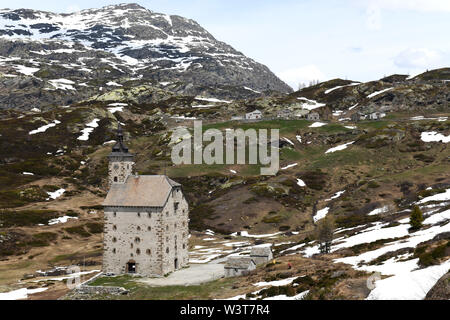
254, 115
146, 220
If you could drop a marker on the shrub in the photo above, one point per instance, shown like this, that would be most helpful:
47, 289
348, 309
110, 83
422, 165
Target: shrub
79, 230
416, 218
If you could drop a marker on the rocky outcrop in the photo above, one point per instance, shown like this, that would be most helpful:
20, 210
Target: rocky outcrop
441, 290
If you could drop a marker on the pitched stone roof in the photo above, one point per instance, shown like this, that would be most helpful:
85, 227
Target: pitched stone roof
238, 262
261, 251
140, 191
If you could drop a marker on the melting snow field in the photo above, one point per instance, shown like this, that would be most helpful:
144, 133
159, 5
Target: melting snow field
338, 87
86, 131
62, 84
44, 128
317, 124
434, 137
407, 280
310, 104
410, 285
321, 214
60, 220
378, 92
277, 283
19, 293
336, 195
340, 147
246, 234
289, 166
54, 195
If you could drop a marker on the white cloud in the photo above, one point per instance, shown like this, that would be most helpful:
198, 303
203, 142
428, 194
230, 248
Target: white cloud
415, 58
375, 8
73, 8
303, 74
373, 17
415, 5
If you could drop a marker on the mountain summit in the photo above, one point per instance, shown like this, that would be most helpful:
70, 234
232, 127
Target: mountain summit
119, 42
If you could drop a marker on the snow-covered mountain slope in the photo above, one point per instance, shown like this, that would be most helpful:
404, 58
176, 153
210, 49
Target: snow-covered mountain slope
123, 41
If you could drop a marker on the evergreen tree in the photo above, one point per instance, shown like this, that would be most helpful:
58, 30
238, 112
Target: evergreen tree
416, 218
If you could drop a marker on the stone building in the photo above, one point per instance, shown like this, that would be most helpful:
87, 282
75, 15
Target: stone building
146, 220
313, 116
284, 114
261, 254
238, 266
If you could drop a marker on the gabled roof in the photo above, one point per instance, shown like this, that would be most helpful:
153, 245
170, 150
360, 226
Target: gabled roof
238, 262
140, 191
261, 251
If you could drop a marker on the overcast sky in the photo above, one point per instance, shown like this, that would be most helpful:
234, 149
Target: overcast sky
304, 40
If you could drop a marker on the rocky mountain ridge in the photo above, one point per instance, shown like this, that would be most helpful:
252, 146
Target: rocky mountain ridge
94, 49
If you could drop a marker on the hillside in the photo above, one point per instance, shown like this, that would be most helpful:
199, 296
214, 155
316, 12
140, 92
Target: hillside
65, 84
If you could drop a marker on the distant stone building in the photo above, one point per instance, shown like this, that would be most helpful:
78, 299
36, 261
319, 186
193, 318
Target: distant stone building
376, 115
146, 220
358, 116
238, 266
284, 114
254, 115
313, 116
261, 254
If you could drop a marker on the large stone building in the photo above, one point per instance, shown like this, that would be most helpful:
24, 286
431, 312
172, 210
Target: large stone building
146, 220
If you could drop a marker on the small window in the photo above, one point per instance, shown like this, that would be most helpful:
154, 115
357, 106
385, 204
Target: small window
138, 251
184, 246
184, 223
139, 214
138, 228
148, 251
115, 214
175, 205
175, 225
114, 250
115, 179
167, 228
114, 239
149, 228
114, 227
167, 239
137, 239
167, 250
149, 214
131, 245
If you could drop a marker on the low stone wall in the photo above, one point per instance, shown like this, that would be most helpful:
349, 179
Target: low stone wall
100, 290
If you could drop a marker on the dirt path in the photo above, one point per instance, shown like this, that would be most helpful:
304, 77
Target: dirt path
195, 274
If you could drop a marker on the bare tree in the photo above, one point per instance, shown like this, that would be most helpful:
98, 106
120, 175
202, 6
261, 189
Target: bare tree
324, 233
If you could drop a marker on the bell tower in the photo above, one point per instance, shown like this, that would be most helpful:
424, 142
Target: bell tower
120, 161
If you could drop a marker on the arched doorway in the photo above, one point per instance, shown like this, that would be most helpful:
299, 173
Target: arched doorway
131, 266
